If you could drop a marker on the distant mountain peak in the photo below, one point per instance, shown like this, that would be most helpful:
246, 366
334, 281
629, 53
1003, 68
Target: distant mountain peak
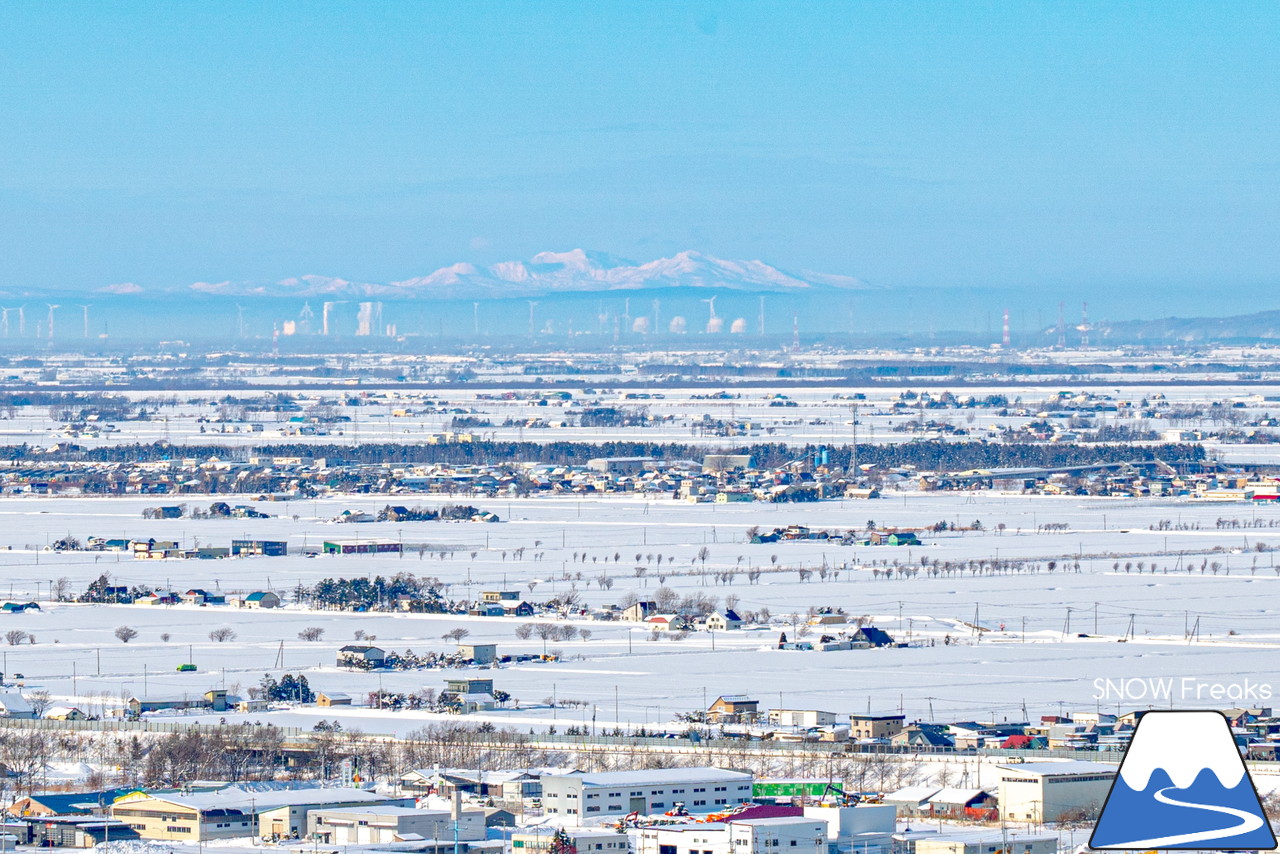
547, 273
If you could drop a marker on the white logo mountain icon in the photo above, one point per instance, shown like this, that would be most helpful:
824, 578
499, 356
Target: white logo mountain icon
1183, 785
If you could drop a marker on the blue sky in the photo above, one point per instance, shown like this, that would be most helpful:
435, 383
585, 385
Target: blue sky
1020, 145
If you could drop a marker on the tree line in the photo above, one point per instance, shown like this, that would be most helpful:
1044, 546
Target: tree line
931, 455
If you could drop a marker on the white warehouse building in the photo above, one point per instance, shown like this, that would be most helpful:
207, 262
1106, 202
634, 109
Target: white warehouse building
1045, 791
620, 792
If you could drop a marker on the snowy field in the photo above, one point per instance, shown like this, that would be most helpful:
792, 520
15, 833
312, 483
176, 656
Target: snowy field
820, 415
1027, 655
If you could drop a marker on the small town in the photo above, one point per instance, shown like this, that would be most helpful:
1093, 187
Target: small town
1017, 785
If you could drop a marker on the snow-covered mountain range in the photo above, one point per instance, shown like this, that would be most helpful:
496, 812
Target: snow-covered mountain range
576, 271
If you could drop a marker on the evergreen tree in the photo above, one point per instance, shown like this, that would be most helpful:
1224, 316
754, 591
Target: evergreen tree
561, 843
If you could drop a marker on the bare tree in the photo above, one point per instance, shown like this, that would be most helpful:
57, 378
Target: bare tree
126, 633
222, 635
14, 637
665, 598
311, 633
546, 632
61, 590
40, 702
456, 635
524, 631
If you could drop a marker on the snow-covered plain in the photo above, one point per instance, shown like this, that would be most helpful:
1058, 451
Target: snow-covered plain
820, 415
625, 676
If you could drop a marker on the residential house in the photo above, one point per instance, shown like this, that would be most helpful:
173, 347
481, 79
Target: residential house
158, 597
718, 622
871, 636
363, 656
64, 713
262, 599
515, 609
196, 596
733, 708
14, 705
893, 538
670, 623
875, 726
465, 696
922, 735
640, 611
964, 804
911, 801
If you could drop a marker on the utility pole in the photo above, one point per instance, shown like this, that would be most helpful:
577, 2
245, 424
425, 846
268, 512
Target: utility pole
854, 447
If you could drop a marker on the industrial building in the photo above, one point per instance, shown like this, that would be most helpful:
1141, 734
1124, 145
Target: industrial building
382, 824
1044, 791
223, 813
362, 547
622, 792
537, 840
792, 834
263, 548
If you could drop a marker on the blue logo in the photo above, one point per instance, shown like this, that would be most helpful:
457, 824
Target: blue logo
1183, 786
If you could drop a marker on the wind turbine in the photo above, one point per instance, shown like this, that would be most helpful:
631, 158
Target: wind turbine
86, 308
22, 321
713, 323
49, 328
532, 305
4, 321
